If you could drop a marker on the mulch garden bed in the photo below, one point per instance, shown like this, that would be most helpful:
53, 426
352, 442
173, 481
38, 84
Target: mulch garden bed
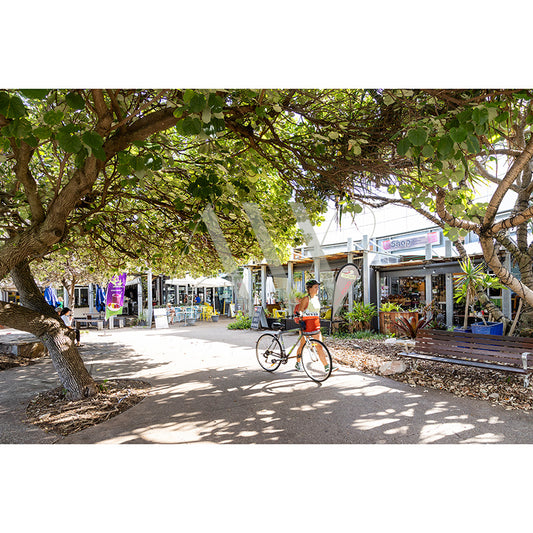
368, 356
8, 361
53, 412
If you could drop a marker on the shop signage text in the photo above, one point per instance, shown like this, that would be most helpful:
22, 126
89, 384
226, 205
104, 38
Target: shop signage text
411, 242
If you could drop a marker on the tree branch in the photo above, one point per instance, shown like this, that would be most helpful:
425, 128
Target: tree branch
23, 157
505, 184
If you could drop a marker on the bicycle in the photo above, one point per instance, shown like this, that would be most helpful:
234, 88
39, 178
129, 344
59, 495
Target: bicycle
271, 353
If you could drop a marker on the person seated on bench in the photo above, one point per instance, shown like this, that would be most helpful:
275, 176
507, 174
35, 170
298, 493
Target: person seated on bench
66, 316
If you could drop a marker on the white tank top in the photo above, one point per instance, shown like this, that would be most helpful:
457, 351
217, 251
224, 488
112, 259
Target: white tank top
314, 305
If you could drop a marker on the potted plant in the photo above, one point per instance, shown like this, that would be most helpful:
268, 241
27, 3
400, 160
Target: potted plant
390, 313
467, 284
214, 316
141, 321
360, 318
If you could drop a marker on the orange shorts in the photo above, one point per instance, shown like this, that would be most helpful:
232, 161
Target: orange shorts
312, 323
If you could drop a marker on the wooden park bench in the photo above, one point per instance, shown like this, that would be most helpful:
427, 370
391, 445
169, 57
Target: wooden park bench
494, 352
88, 322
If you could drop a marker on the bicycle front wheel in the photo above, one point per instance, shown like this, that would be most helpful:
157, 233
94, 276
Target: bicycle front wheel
316, 360
268, 352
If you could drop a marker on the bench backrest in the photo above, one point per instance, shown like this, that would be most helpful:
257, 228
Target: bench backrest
487, 348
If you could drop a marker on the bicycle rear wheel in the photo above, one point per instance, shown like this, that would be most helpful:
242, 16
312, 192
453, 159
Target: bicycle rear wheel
268, 352
316, 360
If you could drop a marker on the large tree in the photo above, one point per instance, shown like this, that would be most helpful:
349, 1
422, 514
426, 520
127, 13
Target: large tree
459, 143
128, 170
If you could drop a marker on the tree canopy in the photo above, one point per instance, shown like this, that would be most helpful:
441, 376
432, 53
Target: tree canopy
127, 174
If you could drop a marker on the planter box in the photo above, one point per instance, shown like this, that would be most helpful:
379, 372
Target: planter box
491, 328
270, 321
387, 320
214, 318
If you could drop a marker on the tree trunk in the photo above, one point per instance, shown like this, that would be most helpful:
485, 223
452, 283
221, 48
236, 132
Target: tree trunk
35, 316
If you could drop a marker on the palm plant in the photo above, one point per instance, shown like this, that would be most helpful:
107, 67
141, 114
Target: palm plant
467, 284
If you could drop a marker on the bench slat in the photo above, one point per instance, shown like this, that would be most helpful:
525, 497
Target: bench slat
463, 362
495, 340
473, 353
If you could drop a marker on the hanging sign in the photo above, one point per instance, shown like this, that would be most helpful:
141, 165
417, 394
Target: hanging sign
115, 295
346, 277
411, 242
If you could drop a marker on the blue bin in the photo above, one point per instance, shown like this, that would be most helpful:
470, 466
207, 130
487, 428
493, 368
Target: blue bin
490, 328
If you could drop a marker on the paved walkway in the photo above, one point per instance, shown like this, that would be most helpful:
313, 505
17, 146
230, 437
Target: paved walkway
208, 387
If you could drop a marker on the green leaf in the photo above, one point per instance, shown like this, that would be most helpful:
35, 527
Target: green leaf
403, 146
32, 141
68, 142
75, 100
458, 134
197, 103
503, 117
445, 146
42, 132
11, 106
428, 151
216, 103
53, 118
472, 144
206, 115
154, 162
190, 126
35, 94
18, 129
188, 95
418, 136
480, 115
92, 139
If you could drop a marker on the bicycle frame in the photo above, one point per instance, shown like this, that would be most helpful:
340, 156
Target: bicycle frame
286, 355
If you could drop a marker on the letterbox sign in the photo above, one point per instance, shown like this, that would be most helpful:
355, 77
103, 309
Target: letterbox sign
405, 243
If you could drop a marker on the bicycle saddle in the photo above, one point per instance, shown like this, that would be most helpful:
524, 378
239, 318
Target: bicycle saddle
277, 325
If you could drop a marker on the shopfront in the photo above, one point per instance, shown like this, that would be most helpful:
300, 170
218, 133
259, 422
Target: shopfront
415, 284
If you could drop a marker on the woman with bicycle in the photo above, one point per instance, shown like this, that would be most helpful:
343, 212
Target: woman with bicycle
309, 307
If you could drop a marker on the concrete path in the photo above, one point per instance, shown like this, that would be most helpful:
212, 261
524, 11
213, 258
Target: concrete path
208, 388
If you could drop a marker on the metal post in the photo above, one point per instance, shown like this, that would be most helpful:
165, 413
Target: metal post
290, 279
150, 298
447, 248
366, 271
449, 300
139, 297
378, 294
349, 258
91, 298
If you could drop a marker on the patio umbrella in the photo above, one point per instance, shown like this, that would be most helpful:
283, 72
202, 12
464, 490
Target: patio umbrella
50, 296
100, 299
207, 283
